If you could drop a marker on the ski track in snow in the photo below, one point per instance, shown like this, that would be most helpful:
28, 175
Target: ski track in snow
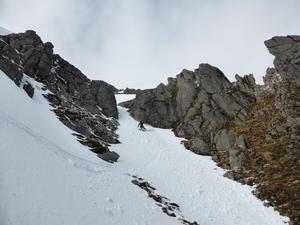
47, 177
73, 159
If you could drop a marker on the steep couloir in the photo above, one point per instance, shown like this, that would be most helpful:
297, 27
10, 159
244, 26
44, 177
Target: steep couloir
253, 130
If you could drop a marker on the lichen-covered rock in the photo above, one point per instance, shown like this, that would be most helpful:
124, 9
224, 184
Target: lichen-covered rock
246, 84
273, 130
287, 56
225, 139
197, 146
272, 78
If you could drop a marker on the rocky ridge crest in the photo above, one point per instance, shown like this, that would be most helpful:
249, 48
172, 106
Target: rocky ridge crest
86, 106
198, 105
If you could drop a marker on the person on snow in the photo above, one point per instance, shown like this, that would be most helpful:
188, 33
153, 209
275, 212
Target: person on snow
141, 125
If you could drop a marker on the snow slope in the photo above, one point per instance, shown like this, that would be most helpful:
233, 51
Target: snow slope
47, 177
3, 31
192, 181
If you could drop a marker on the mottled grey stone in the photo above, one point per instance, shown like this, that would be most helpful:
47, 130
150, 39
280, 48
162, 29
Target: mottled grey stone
29, 89
287, 56
109, 156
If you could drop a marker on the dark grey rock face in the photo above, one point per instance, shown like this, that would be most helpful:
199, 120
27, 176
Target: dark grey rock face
29, 89
246, 84
10, 62
196, 105
99, 89
58, 75
109, 156
287, 56
130, 91
86, 106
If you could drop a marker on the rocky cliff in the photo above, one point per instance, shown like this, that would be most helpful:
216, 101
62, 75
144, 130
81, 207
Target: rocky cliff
86, 106
199, 105
254, 130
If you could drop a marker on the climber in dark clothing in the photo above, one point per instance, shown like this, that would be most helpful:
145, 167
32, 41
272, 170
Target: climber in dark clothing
141, 125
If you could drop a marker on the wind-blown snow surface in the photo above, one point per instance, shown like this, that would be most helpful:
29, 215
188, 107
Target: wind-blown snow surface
47, 177
3, 31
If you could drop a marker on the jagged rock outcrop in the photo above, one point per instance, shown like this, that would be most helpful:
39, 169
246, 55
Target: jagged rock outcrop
236, 146
271, 128
287, 56
283, 131
246, 84
86, 106
130, 91
271, 79
10, 62
196, 105
109, 156
252, 129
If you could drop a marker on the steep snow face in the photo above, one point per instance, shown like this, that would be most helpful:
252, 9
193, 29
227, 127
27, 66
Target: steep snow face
3, 31
47, 177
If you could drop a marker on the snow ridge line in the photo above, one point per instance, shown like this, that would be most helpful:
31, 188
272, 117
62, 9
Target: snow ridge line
76, 161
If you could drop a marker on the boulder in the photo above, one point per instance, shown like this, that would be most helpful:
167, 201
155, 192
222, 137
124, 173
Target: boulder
29, 89
234, 144
109, 156
237, 158
198, 146
225, 139
246, 84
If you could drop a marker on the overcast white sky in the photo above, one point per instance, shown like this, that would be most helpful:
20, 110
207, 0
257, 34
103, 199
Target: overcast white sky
139, 43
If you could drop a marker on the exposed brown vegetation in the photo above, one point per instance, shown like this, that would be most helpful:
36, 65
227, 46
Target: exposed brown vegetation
275, 171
